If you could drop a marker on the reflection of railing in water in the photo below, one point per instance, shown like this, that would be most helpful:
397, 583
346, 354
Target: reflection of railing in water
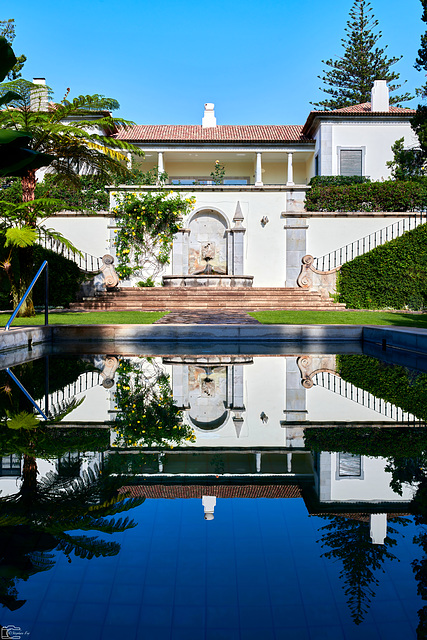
348, 390
85, 381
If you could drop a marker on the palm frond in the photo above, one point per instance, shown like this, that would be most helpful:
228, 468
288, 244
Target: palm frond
20, 237
87, 547
58, 237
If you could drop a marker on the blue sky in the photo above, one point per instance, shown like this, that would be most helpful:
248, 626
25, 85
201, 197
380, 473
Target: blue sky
258, 62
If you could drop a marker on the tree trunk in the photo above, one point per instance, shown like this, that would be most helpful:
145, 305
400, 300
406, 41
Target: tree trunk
23, 281
25, 256
29, 186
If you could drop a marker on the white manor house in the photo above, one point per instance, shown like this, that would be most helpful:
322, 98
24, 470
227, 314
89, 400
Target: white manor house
255, 222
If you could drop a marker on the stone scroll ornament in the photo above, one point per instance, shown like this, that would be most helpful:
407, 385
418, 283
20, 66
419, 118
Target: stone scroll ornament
111, 278
315, 280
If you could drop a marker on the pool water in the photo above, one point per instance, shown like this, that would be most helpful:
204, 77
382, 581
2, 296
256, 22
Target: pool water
198, 495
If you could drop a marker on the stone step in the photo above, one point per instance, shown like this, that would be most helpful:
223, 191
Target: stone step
206, 298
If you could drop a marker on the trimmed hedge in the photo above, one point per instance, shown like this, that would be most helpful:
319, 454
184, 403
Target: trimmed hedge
327, 181
398, 385
372, 196
393, 275
384, 442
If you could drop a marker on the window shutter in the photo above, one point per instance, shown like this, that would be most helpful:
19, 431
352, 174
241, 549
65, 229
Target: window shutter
351, 162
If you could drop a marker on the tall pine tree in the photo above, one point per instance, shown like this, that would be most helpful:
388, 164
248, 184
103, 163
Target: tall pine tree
419, 121
349, 78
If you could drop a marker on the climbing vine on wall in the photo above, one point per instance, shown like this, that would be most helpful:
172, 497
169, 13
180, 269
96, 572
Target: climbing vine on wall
146, 414
146, 224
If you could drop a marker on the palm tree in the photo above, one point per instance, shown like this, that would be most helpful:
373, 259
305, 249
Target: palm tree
73, 136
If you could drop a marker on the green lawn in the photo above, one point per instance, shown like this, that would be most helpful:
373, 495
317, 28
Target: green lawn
265, 317
341, 317
91, 317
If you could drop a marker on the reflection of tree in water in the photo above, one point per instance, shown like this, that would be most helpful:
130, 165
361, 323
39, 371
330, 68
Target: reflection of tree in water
39, 518
146, 413
349, 542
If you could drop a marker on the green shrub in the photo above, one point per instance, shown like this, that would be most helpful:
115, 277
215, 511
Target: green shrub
398, 385
370, 196
328, 181
393, 275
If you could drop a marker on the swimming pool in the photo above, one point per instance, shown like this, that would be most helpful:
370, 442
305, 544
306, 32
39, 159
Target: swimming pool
273, 496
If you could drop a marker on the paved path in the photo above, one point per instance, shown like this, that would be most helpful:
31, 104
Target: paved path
187, 316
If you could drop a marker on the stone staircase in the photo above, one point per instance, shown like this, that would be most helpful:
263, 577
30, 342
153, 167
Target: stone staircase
241, 299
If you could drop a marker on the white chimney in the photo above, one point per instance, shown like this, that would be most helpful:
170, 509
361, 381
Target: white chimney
380, 96
39, 97
209, 119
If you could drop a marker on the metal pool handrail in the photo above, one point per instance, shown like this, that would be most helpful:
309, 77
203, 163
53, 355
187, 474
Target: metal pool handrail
46, 296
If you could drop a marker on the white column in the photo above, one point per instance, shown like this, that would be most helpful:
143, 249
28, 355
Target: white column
258, 171
290, 170
129, 160
258, 462
160, 163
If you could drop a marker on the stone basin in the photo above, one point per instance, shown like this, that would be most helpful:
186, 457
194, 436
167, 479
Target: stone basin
204, 280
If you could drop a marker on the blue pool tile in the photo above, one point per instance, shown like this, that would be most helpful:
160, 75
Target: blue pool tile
257, 634
292, 633
52, 612
222, 616
189, 617
222, 634
114, 631
221, 594
126, 614
155, 616
326, 633
84, 631
158, 594
95, 591
367, 631
41, 632
288, 615
183, 634
89, 612
395, 631
255, 617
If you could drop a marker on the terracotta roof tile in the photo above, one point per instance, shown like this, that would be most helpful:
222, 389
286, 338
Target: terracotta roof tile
221, 133
365, 107
220, 491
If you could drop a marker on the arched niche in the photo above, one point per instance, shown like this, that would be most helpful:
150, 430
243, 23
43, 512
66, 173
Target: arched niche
207, 242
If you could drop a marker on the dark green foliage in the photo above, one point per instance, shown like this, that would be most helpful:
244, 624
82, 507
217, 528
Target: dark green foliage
350, 76
7, 31
393, 275
398, 385
64, 279
392, 442
349, 542
372, 196
328, 181
146, 413
407, 164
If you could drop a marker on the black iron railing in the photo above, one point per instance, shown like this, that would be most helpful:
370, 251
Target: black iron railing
363, 245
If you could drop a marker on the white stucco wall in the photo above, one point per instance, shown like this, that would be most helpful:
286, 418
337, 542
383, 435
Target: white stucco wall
88, 234
375, 138
372, 486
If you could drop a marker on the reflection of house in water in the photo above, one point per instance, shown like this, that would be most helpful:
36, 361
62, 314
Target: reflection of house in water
249, 415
